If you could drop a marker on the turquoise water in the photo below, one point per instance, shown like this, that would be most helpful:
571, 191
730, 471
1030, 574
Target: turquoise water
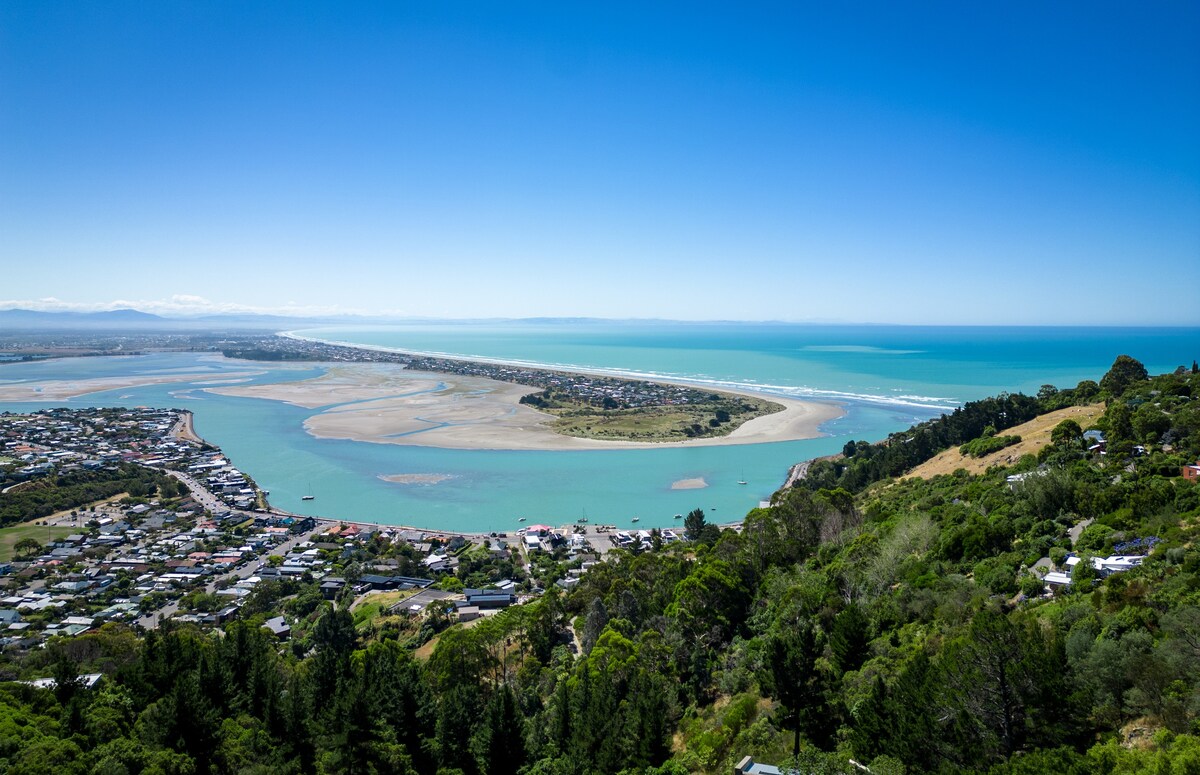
886, 378
924, 367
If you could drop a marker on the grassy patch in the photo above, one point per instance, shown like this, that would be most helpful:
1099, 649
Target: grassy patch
371, 606
9, 536
717, 417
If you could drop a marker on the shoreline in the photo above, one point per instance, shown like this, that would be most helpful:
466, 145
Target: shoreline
524, 428
391, 404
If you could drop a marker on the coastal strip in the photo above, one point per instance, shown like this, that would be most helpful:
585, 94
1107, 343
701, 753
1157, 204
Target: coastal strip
470, 412
490, 405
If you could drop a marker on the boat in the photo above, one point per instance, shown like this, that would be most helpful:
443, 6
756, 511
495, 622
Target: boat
678, 516
307, 497
635, 519
521, 519
743, 479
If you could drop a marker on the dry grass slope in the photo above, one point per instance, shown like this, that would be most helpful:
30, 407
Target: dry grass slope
1034, 434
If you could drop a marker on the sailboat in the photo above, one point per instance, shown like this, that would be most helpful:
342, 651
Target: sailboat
308, 497
743, 479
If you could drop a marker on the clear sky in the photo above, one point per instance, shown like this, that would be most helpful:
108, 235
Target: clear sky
954, 162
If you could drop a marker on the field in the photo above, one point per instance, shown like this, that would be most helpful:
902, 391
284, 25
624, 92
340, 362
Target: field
658, 423
9, 536
1034, 434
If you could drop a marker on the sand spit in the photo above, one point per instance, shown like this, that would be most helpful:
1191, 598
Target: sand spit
388, 404
690, 484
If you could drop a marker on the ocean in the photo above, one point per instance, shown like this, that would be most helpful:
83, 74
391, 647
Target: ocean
885, 377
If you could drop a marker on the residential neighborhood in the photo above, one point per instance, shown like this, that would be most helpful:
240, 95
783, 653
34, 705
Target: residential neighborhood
197, 542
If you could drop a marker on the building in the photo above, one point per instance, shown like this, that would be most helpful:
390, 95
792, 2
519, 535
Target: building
747, 766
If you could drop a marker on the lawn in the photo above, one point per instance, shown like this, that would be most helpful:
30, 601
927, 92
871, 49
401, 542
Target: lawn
9, 536
657, 423
375, 604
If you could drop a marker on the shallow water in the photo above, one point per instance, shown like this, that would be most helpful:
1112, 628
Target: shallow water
886, 378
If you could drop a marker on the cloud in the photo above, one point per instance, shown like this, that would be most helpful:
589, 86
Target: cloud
178, 305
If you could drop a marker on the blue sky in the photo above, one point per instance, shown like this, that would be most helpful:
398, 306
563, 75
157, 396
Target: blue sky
892, 162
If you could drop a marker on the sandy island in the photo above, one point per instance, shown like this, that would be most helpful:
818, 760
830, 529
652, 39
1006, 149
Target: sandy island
690, 484
62, 389
388, 404
415, 478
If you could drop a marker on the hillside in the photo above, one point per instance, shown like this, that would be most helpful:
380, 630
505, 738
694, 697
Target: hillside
901, 626
1034, 434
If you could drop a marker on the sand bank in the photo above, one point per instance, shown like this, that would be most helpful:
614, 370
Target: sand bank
690, 484
60, 390
341, 384
416, 478
388, 404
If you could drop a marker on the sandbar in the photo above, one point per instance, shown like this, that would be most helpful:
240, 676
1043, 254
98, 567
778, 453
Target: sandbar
62, 389
341, 384
389, 404
698, 483
415, 478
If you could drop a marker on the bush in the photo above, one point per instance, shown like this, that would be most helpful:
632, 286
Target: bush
986, 445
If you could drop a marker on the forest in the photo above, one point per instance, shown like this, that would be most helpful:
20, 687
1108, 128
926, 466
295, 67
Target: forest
863, 619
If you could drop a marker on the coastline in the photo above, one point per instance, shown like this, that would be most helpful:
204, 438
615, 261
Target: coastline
391, 404
509, 425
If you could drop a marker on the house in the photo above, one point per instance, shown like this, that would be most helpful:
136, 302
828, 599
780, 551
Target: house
747, 766
87, 681
278, 627
489, 598
1105, 567
1191, 473
331, 586
1057, 578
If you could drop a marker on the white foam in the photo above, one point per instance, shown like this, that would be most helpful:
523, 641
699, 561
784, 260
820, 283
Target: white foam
938, 403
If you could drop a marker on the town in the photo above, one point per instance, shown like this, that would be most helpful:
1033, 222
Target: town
167, 528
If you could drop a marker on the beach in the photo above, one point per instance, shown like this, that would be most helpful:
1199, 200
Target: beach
388, 404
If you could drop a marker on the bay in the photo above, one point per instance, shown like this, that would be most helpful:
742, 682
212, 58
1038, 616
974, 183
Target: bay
886, 378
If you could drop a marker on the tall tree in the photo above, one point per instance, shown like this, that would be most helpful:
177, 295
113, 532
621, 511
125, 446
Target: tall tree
500, 743
850, 639
795, 679
693, 524
1125, 371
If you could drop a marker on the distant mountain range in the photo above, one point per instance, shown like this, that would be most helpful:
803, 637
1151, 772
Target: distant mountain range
132, 319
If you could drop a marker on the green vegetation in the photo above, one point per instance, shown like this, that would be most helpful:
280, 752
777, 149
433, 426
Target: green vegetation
895, 622
28, 539
719, 415
49, 495
989, 442
864, 463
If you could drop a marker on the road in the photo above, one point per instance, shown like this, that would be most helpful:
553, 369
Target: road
201, 493
243, 571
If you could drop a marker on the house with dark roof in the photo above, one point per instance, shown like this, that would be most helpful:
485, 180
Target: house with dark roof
489, 598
